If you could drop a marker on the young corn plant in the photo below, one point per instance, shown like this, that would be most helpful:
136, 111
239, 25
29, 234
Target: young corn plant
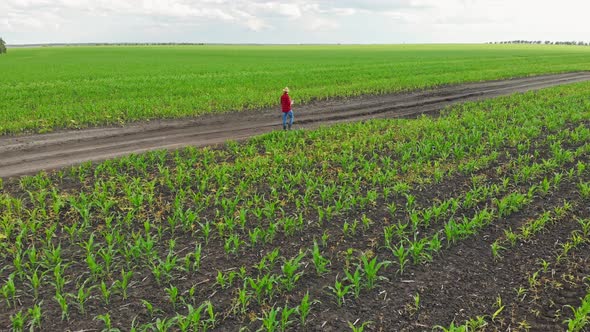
496, 248
452, 328
241, 301
192, 260
402, 256
355, 280
9, 291
256, 235
106, 292
304, 308
388, 232
206, 230
163, 324
211, 320
340, 291
63, 304
148, 307
371, 269
232, 244
418, 251
173, 295
270, 320
106, 320
360, 328
263, 287
59, 279
286, 320
123, 284
82, 297
221, 280
18, 321
476, 324
414, 307
511, 236
290, 274
585, 224
499, 308
35, 316
581, 316
584, 189
319, 261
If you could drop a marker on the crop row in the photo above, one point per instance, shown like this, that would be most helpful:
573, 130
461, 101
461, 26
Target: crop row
546, 299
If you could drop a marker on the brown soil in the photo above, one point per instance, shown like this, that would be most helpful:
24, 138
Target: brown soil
21, 155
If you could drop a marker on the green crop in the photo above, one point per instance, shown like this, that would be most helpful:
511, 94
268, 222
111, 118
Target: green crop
581, 318
255, 228
340, 291
73, 87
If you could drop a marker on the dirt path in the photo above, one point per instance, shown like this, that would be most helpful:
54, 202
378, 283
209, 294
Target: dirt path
20, 155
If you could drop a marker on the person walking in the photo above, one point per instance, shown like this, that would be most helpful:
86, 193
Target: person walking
287, 107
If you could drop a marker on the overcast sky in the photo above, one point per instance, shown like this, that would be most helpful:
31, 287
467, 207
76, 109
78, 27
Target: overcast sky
297, 21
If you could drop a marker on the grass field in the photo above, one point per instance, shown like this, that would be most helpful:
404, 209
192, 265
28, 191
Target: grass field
476, 220
71, 87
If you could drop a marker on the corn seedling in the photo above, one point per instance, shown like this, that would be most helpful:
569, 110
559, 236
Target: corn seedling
290, 274
581, 316
63, 304
371, 269
35, 316
359, 328
106, 320
81, 297
106, 292
9, 290
242, 301
263, 287
496, 248
18, 321
339, 291
476, 324
355, 281
123, 284
173, 294
270, 320
319, 261
286, 320
452, 328
163, 324
304, 308
402, 257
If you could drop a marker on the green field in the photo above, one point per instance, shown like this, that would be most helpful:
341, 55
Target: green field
288, 230
55, 87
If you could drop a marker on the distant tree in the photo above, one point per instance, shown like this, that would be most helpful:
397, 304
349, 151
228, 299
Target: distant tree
2, 46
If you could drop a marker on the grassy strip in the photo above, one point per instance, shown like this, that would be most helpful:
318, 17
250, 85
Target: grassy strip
46, 88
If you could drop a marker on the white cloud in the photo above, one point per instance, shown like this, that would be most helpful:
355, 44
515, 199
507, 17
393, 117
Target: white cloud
315, 24
263, 20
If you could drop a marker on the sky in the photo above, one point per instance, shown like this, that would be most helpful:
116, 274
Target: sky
292, 22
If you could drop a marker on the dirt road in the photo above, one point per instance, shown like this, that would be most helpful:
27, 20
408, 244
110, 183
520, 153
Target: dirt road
20, 155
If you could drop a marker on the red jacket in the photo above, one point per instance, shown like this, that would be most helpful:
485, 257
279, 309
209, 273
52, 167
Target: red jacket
286, 102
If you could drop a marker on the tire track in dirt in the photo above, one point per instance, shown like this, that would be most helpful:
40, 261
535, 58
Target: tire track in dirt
20, 155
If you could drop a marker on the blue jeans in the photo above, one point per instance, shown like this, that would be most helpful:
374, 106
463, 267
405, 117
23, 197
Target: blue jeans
285, 115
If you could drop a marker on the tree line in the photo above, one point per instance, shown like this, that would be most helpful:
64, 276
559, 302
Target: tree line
2, 46
546, 42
